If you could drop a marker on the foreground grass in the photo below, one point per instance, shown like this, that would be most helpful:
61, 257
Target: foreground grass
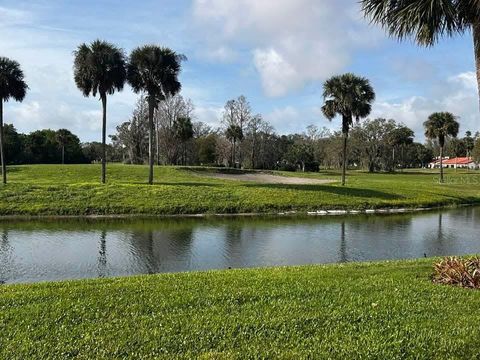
75, 190
388, 310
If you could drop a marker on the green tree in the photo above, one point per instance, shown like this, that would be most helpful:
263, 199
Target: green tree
183, 130
300, 154
398, 139
12, 86
62, 136
440, 126
456, 148
13, 144
476, 151
206, 149
234, 133
93, 151
100, 68
469, 142
427, 20
41, 147
373, 135
154, 70
349, 96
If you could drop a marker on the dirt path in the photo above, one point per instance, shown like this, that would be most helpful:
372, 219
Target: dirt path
270, 179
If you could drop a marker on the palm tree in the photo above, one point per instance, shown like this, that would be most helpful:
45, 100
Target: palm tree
427, 20
100, 68
234, 133
154, 70
12, 86
441, 125
62, 137
349, 96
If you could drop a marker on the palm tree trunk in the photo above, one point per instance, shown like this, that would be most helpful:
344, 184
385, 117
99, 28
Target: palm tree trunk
104, 137
476, 46
151, 107
344, 162
441, 164
2, 158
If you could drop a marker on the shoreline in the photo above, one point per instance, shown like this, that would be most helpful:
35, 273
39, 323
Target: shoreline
293, 213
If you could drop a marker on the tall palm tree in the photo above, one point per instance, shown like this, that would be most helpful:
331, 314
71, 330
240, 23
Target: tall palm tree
12, 86
234, 133
440, 126
349, 96
154, 70
427, 20
100, 68
62, 137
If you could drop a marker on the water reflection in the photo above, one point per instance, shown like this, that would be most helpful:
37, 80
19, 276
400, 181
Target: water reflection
52, 249
6, 257
102, 255
343, 244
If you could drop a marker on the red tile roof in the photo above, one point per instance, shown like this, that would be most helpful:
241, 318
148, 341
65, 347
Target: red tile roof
458, 161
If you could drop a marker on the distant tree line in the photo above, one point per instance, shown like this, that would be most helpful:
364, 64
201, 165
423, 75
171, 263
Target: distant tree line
49, 147
246, 140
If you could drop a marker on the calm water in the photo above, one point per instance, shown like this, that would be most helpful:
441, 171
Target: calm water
52, 249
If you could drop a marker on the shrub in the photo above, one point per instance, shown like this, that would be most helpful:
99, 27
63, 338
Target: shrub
464, 272
286, 167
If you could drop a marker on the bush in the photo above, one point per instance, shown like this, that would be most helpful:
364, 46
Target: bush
286, 167
464, 272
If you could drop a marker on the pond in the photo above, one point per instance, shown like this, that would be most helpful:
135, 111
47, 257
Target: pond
41, 250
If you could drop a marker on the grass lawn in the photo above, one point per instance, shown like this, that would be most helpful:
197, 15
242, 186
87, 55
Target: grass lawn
75, 190
387, 310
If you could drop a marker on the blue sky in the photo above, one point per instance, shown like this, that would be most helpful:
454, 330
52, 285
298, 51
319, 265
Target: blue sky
277, 53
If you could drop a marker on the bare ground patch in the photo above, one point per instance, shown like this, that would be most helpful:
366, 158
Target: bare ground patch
268, 178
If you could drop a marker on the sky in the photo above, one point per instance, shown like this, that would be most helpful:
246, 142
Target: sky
277, 53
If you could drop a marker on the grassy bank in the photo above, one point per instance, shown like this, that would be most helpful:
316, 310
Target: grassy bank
75, 190
388, 310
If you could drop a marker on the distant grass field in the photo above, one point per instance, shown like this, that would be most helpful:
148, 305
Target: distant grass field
75, 190
388, 310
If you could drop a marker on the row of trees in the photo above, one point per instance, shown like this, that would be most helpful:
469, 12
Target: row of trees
49, 147
161, 125
246, 140
374, 145
103, 68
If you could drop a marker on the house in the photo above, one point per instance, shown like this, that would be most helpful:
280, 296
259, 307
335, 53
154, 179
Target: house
455, 163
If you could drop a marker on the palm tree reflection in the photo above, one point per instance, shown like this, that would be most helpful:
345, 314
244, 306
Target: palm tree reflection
343, 243
102, 255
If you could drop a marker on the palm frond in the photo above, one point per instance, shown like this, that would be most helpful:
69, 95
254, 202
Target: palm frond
99, 68
155, 70
426, 21
12, 83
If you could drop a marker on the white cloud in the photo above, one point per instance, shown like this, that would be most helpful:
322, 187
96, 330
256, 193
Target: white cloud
12, 16
458, 95
209, 114
287, 119
270, 64
291, 42
222, 54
